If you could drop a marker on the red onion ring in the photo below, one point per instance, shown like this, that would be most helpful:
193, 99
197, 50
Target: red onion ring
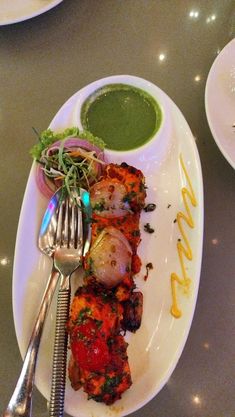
45, 186
84, 144
80, 143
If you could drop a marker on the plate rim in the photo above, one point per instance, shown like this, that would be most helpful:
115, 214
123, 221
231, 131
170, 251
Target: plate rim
207, 105
30, 15
178, 352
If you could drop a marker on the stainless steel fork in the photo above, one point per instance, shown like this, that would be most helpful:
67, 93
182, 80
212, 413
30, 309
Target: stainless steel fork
67, 258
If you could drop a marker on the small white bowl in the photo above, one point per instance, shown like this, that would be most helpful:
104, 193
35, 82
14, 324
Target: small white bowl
158, 146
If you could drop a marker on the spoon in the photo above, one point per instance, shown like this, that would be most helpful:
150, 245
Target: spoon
20, 404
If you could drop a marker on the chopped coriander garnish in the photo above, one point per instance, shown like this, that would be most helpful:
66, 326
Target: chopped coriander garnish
89, 268
129, 196
99, 206
135, 233
111, 383
83, 315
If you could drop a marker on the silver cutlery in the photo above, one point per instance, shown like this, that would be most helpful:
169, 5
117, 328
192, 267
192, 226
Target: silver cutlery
73, 238
20, 404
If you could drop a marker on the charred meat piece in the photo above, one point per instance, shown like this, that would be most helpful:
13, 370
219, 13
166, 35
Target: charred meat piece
133, 180
74, 374
128, 225
132, 314
94, 302
121, 189
124, 290
108, 384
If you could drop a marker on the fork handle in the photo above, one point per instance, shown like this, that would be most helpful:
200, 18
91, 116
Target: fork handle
56, 407
20, 404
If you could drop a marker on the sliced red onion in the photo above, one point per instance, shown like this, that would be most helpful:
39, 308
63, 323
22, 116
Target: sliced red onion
46, 186
79, 143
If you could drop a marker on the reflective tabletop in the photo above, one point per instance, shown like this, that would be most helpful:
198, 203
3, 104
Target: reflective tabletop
173, 44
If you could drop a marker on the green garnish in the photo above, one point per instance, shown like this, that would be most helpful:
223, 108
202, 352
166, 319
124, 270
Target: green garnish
89, 268
86, 135
99, 206
129, 196
68, 166
135, 233
110, 383
48, 137
83, 314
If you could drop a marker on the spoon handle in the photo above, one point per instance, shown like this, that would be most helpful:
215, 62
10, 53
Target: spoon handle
20, 404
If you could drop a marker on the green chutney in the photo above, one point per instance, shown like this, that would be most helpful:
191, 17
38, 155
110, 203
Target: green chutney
125, 117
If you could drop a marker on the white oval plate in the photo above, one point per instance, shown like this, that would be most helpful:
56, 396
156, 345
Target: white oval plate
14, 11
220, 101
156, 347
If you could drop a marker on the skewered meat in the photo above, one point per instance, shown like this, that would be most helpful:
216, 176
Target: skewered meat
108, 304
108, 384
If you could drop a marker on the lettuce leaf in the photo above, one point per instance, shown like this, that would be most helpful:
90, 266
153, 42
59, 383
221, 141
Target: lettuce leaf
48, 137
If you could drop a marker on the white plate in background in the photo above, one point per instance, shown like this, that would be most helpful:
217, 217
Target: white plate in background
14, 11
220, 101
156, 347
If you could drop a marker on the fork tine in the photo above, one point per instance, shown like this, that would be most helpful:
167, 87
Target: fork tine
58, 233
72, 224
66, 225
76, 221
69, 232
79, 234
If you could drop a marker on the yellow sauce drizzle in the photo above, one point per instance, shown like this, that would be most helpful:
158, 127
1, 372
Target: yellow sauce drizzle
183, 246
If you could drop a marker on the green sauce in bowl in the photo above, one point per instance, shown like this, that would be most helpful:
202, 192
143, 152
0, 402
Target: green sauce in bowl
125, 117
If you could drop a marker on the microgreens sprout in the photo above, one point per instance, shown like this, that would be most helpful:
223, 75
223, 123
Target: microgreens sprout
78, 170
67, 165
